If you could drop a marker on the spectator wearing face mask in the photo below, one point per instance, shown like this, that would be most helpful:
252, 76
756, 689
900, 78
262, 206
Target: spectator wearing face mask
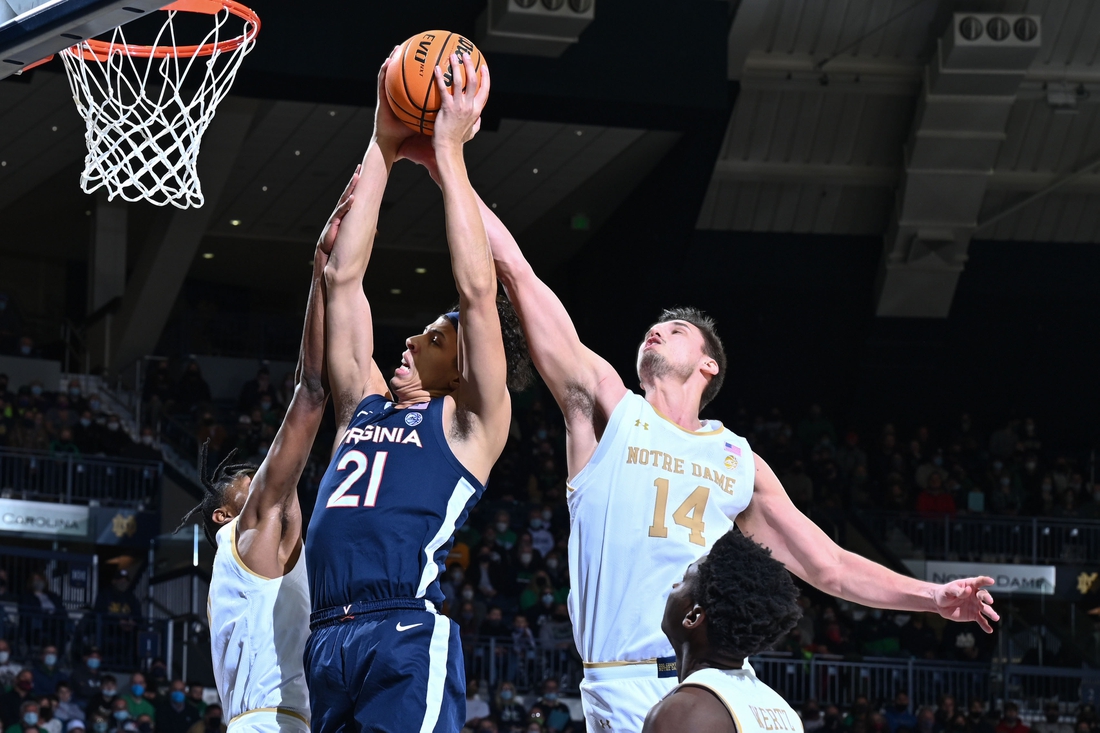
121, 717
27, 348
64, 706
539, 593
47, 673
76, 725
86, 678
135, 700
98, 723
114, 439
556, 569
27, 718
47, 723
505, 537
508, 709
8, 667
539, 529
526, 562
211, 721
145, 449
144, 724
86, 434
174, 713
12, 701
102, 702
555, 713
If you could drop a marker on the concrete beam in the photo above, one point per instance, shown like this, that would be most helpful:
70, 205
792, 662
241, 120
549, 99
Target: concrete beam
168, 253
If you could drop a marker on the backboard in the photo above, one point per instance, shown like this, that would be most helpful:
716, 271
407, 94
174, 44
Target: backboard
32, 30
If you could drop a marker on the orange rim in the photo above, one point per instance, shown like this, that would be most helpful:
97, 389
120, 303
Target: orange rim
93, 50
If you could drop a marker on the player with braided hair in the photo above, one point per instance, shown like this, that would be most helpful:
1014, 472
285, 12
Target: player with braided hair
258, 603
734, 602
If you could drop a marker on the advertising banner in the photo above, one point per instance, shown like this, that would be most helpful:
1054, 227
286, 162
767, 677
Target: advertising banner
1029, 580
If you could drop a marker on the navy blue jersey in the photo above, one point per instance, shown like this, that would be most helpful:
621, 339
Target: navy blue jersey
387, 507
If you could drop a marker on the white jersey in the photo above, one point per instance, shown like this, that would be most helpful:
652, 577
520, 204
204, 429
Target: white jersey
652, 500
754, 706
258, 632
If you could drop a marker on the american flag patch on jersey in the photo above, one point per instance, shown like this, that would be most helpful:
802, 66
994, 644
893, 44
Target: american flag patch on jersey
731, 448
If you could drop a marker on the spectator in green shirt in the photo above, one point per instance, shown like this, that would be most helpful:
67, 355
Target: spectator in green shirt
136, 703
28, 718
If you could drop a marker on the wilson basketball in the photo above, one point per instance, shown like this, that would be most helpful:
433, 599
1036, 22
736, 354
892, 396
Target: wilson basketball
410, 82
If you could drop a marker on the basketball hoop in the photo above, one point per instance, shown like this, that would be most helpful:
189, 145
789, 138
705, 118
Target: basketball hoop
143, 128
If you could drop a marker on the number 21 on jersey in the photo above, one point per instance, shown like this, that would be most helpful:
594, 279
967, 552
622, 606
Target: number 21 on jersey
341, 498
689, 514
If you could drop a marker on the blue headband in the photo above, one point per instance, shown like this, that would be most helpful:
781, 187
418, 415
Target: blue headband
453, 318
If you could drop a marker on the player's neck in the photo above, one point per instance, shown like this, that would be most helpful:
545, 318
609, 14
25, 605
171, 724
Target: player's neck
677, 401
688, 663
414, 396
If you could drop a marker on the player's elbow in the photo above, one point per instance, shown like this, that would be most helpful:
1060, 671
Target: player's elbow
310, 389
339, 274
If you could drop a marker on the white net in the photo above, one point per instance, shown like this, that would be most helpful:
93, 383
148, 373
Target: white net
146, 107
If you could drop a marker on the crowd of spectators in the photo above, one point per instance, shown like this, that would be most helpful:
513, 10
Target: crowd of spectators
1006, 470
34, 417
506, 580
43, 695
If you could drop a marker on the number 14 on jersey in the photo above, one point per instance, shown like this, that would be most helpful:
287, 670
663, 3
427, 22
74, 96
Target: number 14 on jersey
689, 514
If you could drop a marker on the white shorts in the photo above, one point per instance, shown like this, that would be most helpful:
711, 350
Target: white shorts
267, 721
617, 699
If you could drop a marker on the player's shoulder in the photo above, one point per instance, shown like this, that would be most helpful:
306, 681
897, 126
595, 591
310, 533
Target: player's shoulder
690, 707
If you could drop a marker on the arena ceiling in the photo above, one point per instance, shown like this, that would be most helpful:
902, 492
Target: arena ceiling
821, 106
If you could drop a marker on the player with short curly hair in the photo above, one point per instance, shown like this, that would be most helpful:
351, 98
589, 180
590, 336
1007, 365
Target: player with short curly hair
735, 602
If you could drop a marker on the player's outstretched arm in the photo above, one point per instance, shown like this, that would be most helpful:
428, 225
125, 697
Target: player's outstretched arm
586, 387
271, 518
349, 331
773, 520
483, 387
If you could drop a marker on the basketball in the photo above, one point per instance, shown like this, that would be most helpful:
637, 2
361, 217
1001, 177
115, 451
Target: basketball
410, 82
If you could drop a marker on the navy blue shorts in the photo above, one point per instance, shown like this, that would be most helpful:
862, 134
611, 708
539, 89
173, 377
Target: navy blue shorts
390, 671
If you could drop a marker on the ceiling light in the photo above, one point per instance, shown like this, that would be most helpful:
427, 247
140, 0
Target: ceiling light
332, 113
580, 132
208, 255
395, 291
421, 270
235, 222
971, 28
88, 213
1025, 28
997, 28
297, 152
534, 170
3, 164
264, 188
54, 128
494, 204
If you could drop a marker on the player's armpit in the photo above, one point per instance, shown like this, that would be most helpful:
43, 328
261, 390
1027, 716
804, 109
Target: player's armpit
689, 708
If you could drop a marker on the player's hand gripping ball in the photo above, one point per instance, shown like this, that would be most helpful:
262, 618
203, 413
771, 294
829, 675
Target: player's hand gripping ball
410, 84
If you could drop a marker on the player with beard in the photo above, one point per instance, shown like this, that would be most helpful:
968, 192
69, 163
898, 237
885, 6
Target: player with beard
651, 486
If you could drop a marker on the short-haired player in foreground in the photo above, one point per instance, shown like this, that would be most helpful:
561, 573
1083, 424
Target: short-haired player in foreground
258, 604
651, 486
732, 603
406, 467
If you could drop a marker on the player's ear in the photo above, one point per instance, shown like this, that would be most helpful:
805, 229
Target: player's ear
221, 516
709, 366
694, 617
